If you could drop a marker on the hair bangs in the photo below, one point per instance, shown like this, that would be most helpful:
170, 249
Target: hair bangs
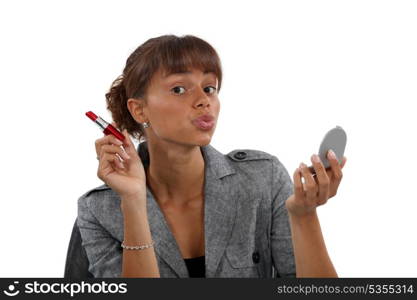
182, 55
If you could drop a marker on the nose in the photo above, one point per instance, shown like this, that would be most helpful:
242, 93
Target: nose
202, 99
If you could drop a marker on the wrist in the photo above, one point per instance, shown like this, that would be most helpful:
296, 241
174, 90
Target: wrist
304, 219
133, 203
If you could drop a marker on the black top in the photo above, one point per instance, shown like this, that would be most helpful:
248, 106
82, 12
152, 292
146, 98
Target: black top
196, 266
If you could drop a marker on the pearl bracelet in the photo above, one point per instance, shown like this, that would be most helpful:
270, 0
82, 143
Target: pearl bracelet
141, 247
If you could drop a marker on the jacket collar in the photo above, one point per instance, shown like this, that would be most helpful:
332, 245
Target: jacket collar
214, 160
220, 195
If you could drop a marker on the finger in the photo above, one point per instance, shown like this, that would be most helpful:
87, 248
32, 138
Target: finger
114, 150
106, 165
109, 160
298, 185
111, 139
106, 140
127, 141
310, 184
115, 159
322, 179
343, 162
335, 166
128, 145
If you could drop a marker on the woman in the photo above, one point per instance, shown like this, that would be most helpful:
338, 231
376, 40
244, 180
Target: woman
177, 207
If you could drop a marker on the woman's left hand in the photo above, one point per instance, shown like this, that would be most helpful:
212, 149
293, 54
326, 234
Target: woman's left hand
315, 190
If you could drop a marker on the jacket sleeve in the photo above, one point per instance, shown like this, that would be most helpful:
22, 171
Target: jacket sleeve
281, 241
103, 251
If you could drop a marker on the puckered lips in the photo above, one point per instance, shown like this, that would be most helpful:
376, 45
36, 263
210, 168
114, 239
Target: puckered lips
204, 122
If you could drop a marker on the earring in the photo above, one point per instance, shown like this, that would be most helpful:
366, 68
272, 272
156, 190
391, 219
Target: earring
146, 125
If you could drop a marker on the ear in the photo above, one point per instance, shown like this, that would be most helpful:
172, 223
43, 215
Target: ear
136, 109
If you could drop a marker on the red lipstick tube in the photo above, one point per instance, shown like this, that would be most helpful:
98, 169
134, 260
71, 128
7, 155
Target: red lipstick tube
105, 127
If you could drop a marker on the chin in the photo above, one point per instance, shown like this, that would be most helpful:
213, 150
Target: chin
203, 139
204, 142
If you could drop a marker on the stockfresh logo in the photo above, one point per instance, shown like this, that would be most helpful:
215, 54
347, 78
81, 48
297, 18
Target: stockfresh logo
11, 289
72, 289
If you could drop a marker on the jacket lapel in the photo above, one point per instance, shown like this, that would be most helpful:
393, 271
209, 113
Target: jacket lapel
219, 206
220, 194
165, 244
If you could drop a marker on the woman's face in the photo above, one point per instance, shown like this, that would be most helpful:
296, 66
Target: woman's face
176, 100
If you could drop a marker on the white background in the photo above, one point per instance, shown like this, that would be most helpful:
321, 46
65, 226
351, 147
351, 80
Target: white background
292, 70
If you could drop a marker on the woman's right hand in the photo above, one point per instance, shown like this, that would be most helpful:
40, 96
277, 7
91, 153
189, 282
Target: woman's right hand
127, 178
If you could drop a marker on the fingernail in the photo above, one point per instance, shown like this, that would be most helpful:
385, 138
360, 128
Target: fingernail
315, 158
118, 156
125, 155
124, 152
332, 154
301, 166
119, 142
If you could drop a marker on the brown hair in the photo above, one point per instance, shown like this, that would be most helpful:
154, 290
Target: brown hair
169, 53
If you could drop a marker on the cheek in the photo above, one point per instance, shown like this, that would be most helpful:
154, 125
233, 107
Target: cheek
216, 106
169, 116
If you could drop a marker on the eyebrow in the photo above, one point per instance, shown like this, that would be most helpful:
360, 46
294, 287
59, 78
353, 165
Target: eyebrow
185, 72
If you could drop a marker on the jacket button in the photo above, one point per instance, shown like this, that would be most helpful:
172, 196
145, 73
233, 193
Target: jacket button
240, 155
255, 257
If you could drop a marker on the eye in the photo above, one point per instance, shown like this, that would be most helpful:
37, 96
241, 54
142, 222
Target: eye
177, 90
214, 89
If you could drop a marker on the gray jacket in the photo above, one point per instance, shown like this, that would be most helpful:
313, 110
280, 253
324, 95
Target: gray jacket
247, 231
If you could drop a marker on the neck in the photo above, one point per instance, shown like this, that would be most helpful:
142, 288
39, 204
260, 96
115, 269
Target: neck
175, 174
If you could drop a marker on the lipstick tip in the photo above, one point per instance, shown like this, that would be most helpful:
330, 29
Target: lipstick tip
91, 115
